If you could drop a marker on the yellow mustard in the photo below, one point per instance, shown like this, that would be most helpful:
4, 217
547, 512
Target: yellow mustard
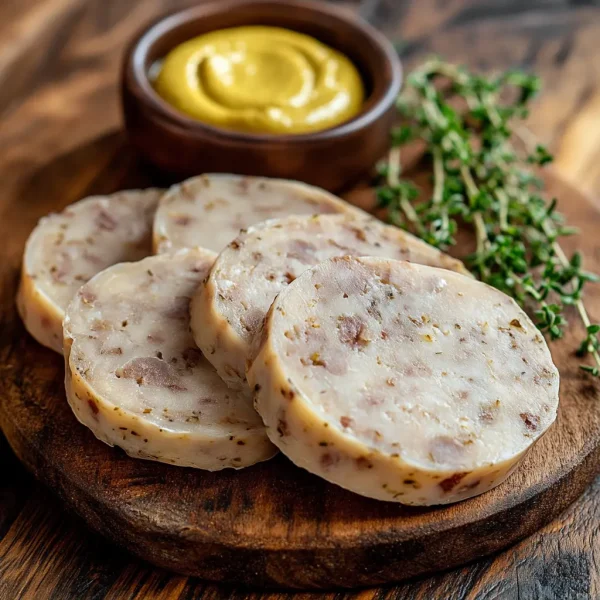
262, 80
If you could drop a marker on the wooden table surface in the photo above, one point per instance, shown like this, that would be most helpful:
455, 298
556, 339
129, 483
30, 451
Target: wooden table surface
60, 130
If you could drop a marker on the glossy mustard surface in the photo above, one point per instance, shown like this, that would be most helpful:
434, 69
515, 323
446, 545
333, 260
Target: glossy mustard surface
261, 79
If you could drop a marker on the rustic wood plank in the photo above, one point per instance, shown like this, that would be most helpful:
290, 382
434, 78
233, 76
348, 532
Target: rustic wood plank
37, 133
560, 561
31, 37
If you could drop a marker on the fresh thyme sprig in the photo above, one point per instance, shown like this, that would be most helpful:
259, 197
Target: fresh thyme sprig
480, 180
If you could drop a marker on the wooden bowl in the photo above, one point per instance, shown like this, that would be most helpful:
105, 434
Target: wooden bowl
333, 158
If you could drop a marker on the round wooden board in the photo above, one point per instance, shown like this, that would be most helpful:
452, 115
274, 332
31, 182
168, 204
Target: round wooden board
273, 524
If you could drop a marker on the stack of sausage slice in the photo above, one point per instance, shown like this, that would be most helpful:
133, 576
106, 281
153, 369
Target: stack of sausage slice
366, 356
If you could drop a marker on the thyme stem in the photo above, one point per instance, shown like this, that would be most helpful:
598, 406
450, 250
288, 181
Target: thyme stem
503, 201
393, 178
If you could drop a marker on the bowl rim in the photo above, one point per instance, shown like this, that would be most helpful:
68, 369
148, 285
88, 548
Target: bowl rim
134, 72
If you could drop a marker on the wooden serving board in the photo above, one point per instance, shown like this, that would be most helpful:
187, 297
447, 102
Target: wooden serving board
273, 524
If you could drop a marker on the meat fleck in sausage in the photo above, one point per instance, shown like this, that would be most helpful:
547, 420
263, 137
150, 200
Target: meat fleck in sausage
352, 331
532, 422
150, 370
450, 483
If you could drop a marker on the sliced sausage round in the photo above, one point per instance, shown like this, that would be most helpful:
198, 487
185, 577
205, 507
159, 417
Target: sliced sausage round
135, 377
67, 249
229, 308
402, 382
210, 210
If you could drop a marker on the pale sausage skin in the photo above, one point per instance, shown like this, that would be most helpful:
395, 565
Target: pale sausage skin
67, 249
210, 210
136, 379
402, 382
230, 306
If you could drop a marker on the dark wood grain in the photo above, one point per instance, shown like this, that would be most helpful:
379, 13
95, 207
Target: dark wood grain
46, 556
64, 116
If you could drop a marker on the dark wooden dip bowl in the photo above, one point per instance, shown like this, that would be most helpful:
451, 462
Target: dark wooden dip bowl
333, 158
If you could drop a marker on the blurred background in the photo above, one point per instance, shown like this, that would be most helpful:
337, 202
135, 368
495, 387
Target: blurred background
59, 56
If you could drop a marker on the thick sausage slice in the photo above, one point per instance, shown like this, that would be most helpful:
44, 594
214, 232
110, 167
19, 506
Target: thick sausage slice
253, 269
402, 382
67, 249
136, 379
210, 210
